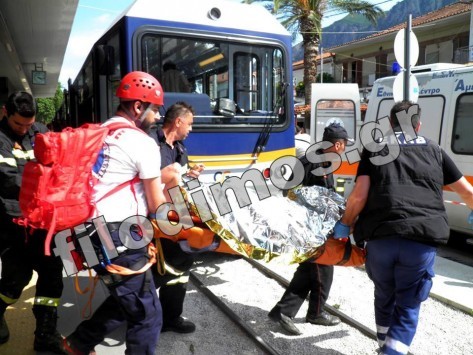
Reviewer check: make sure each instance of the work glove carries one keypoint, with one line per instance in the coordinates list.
(470, 218)
(341, 230)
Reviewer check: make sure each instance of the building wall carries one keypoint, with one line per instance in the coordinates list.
(298, 76)
(435, 46)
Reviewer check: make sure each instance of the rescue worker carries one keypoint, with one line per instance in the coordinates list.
(172, 285)
(302, 142)
(402, 219)
(127, 154)
(311, 278)
(21, 249)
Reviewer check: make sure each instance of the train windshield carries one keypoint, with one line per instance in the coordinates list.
(229, 83)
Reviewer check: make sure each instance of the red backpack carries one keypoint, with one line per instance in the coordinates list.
(56, 189)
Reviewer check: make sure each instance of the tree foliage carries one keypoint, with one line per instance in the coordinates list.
(304, 17)
(47, 107)
(58, 97)
(327, 78)
(46, 110)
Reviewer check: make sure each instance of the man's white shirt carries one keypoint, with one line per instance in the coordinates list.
(126, 153)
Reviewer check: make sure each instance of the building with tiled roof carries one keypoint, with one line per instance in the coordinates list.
(443, 37)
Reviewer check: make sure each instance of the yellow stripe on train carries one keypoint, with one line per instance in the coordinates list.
(240, 159)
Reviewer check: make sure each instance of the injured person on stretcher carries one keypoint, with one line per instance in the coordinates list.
(290, 229)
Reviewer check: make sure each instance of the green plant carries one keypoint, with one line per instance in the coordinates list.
(47, 107)
(327, 78)
(46, 110)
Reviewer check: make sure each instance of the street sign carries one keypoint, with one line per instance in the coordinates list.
(399, 48)
(398, 88)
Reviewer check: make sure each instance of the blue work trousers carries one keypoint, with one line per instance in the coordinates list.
(133, 301)
(402, 272)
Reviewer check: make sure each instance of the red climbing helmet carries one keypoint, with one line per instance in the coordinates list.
(138, 85)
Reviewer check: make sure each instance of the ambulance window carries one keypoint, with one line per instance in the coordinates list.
(335, 111)
(463, 125)
(432, 111)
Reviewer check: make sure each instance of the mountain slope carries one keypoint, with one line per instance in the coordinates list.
(353, 27)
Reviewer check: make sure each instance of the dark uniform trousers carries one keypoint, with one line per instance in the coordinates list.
(309, 277)
(22, 251)
(312, 278)
(132, 301)
(173, 284)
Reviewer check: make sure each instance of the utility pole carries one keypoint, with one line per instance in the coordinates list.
(407, 53)
(321, 64)
(470, 56)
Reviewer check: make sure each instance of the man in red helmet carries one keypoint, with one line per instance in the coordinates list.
(127, 154)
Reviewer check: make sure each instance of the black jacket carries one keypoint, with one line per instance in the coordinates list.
(310, 179)
(406, 196)
(15, 151)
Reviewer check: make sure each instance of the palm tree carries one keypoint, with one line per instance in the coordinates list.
(305, 17)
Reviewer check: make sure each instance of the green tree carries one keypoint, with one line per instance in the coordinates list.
(328, 78)
(58, 97)
(46, 110)
(304, 17)
(47, 107)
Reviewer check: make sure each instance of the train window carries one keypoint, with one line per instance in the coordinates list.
(114, 79)
(88, 87)
(250, 75)
(463, 125)
(246, 81)
(275, 71)
(218, 84)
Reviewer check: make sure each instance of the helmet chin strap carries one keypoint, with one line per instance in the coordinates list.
(142, 118)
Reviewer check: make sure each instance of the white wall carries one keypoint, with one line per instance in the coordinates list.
(369, 67)
(298, 76)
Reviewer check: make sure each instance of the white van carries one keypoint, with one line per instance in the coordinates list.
(446, 102)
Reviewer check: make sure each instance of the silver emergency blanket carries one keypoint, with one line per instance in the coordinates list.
(290, 228)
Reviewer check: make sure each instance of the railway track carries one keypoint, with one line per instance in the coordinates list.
(257, 338)
(237, 297)
(244, 291)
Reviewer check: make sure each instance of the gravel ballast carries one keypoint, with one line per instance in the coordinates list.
(442, 329)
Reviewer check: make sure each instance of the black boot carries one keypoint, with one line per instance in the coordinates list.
(4, 332)
(47, 337)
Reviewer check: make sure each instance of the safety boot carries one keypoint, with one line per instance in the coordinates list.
(71, 349)
(47, 337)
(4, 332)
(178, 325)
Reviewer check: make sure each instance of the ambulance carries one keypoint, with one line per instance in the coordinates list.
(446, 102)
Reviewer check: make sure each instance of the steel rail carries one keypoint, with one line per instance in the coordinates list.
(233, 316)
